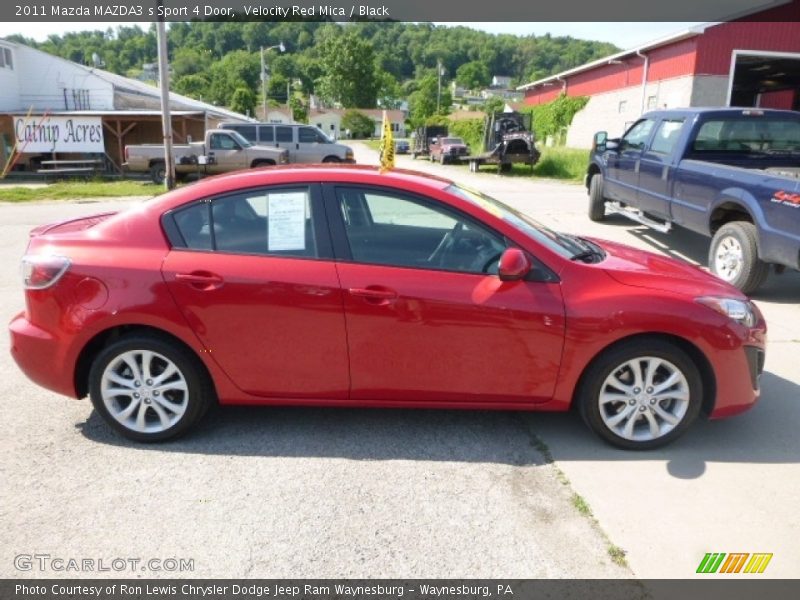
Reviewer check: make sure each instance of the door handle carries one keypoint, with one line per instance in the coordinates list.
(374, 294)
(202, 280)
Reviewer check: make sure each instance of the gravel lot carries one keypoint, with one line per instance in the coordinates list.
(284, 492)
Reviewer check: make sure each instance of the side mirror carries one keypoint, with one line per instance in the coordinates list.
(600, 138)
(614, 144)
(514, 265)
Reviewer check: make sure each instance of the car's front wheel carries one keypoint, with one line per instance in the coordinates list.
(597, 203)
(641, 395)
(149, 388)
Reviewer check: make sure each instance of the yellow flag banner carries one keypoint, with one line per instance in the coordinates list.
(387, 145)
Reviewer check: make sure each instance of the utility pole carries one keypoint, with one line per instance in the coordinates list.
(264, 76)
(263, 84)
(439, 89)
(166, 117)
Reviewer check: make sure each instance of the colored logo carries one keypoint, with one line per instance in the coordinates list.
(737, 562)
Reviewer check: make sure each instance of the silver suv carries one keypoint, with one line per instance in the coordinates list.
(305, 143)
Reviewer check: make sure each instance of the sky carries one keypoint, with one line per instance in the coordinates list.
(624, 35)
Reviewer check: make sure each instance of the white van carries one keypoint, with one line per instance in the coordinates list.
(305, 143)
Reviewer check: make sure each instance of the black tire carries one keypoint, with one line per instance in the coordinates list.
(197, 398)
(615, 360)
(505, 167)
(751, 271)
(597, 203)
(158, 172)
(331, 159)
(265, 162)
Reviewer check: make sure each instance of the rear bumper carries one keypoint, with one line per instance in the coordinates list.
(39, 354)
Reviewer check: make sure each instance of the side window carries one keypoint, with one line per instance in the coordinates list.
(390, 229)
(266, 134)
(220, 141)
(247, 131)
(284, 134)
(267, 222)
(638, 134)
(666, 136)
(307, 135)
(193, 225)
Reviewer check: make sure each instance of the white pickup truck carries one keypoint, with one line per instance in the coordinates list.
(222, 151)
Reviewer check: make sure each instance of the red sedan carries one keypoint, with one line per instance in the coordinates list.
(341, 286)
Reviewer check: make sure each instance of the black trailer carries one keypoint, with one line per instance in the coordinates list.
(508, 138)
(422, 139)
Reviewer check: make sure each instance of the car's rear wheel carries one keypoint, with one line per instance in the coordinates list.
(733, 256)
(641, 395)
(597, 203)
(158, 172)
(149, 388)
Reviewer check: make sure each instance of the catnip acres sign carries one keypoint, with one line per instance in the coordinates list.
(58, 134)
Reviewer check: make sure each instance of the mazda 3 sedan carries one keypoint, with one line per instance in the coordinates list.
(343, 286)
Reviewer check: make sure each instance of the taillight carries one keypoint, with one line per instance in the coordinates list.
(42, 271)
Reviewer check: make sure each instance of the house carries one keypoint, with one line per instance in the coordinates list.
(329, 120)
(53, 106)
(501, 82)
(274, 115)
(753, 61)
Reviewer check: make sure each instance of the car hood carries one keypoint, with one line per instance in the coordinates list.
(639, 268)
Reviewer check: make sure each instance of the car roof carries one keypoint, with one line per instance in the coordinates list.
(713, 111)
(291, 174)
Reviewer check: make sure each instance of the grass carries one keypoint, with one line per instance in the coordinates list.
(76, 190)
(568, 164)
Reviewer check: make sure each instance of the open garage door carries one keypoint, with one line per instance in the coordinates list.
(765, 79)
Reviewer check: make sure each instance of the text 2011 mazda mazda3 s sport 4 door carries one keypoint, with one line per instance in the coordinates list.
(343, 286)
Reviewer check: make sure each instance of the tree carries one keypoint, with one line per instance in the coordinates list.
(236, 69)
(299, 110)
(493, 104)
(191, 85)
(359, 124)
(348, 63)
(422, 103)
(243, 101)
(473, 75)
(389, 92)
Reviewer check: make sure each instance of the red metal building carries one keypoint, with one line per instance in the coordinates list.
(751, 61)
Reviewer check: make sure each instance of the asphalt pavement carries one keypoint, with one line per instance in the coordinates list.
(291, 492)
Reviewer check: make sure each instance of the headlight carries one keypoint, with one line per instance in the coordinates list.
(348, 155)
(741, 311)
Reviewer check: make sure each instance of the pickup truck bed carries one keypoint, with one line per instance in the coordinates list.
(730, 174)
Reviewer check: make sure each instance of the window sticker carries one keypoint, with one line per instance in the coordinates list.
(287, 221)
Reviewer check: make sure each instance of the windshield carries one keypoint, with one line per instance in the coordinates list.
(240, 139)
(452, 141)
(566, 246)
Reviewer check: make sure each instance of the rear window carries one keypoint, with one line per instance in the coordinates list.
(748, 135)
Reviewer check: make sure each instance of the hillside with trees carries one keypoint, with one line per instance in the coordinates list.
(359, 65)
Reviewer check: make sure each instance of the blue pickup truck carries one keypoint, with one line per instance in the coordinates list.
(731, 174)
